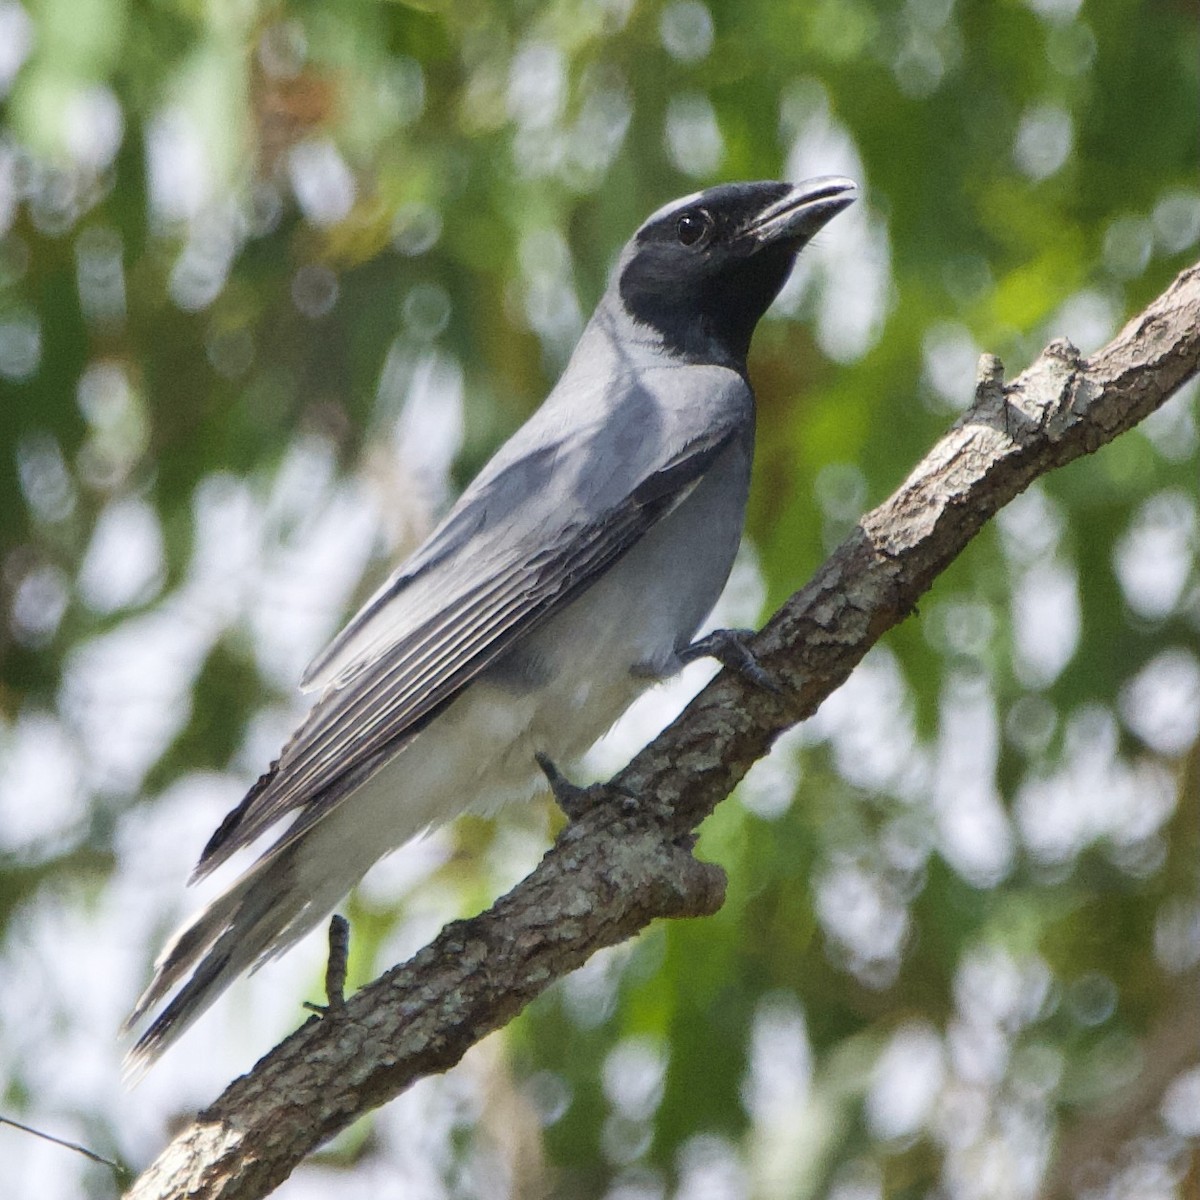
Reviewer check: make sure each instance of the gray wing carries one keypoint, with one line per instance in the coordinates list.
(466, 618)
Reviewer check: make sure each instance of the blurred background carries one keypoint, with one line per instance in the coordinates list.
(277, 278)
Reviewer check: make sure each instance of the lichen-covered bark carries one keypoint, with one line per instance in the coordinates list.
(623, 864)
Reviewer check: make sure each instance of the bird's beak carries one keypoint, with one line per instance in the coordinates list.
(803, 211)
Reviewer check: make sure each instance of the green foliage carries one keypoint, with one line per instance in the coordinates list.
(238, 240)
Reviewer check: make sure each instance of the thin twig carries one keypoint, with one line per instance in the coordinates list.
(122, 1172)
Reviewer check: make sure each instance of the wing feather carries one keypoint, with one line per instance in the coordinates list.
(379, 701)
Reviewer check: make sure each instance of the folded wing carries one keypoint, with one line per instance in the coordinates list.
(428, 633)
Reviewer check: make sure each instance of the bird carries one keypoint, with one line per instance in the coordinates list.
(573, 572)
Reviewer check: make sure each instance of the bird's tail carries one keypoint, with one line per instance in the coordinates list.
(259, 917)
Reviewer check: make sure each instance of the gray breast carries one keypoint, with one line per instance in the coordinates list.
(649, 605)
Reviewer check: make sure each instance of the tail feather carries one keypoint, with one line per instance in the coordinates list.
(314, 862)
(260, 916)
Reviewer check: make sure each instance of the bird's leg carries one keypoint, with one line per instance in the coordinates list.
(335, 968)
(729, 647)
(575, 800)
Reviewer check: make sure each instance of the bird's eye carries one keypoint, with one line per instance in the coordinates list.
(692, 226)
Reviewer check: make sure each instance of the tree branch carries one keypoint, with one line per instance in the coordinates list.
(621, 866)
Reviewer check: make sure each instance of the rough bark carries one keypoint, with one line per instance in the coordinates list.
(625, 863)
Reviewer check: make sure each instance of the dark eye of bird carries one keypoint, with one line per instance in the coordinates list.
(692, 226)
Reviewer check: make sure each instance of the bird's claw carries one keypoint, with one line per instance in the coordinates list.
(730, 648)
(574, 800)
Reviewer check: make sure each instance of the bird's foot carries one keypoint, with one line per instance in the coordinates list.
(574, 800)
(730, 648)
(335, 968)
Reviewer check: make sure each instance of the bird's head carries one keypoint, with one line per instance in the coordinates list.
(702, 270)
